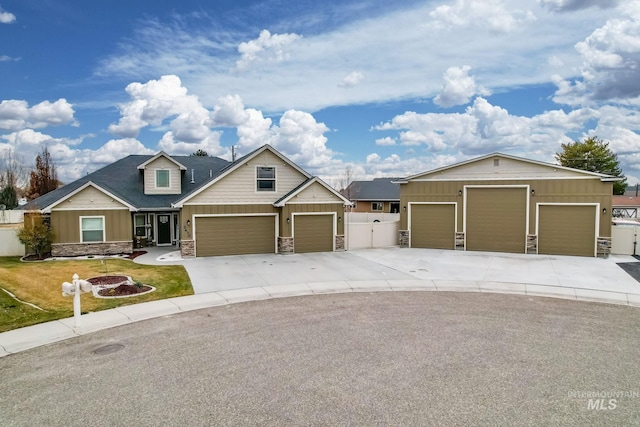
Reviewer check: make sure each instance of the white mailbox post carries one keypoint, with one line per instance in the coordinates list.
(76, 288)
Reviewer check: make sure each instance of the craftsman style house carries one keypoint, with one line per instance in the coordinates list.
(206, 206)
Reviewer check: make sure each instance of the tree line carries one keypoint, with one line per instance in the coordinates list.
(17, 181)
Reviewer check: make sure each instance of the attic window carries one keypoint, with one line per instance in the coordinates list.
(162, 178)
(496, 162)
(265, 178)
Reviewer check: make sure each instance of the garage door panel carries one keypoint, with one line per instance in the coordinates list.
(313, 233)
(567, 230)
(433, 226)
(496, 219)
(235, 235)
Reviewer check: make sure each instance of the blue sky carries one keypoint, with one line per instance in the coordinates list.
(388, 88)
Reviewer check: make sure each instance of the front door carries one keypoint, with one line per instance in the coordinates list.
(164, 229)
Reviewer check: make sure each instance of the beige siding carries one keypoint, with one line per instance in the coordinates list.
(240, 185)
(66, 224)
(315, 193)
(546, 191)
(90, 198)
(175, 176)
(506, 168)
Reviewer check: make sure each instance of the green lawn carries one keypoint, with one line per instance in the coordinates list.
(39, 283)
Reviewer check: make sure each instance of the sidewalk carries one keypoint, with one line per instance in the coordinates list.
(388, 269)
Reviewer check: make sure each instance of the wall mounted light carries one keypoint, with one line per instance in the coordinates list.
(339, 219)
(533, 192)
(404, 208)
(288, 220)
(459, 192)
(188, 223)
(604, 211)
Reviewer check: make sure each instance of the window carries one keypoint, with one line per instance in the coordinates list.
(377, 206)
(141, 229)
(266, 178)
(92, 228)
(162, 178)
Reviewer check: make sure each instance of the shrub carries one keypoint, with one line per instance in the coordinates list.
(36, 234)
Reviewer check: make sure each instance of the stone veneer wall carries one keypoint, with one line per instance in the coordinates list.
(459, 241)
(102, 248)
(604, 247)
(404, 238)
(285, 245)
(532, 244)
(188, 248)
(340, 242)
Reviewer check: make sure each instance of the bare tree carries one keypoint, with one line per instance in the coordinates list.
(45, 177)
(12, 179)
(344, 180)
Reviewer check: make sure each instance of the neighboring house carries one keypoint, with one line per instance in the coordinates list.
(502, 203)
(380, 195)
(260, 203)
(626, 206)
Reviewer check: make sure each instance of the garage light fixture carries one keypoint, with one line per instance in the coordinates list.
(188, 223)
(339, 219)
(288, 220)
(533, 192)
(459, 192)
(604, 211)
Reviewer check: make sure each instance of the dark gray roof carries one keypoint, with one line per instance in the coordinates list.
(379, 189)
(123, 179)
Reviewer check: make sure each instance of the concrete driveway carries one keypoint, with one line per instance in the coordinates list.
(395, 265)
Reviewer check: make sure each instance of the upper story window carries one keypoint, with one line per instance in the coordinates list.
(162, 178)
(265, 178)
(377, 206)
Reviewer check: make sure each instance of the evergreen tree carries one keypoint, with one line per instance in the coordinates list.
(593, 155)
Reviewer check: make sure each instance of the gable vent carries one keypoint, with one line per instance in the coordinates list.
(496, 162)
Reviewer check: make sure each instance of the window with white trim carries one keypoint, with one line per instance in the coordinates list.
(92, 229)
(265, 178)
(140, 225)
(377, 206)
(162, 178)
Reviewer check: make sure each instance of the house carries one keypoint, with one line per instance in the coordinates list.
(502, 203)
(381, 195)
(625, 206)
(260, 203)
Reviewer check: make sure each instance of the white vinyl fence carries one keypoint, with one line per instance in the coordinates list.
(10, 223)
(624, 238)
(366, 230)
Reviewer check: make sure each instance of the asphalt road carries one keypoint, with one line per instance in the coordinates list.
(414, 358)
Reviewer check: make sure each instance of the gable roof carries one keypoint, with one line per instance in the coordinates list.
(166, 156)
(303, 186)
(550, 166)
(47, 209)
(378, 189)
(124, 180)
(235, 165)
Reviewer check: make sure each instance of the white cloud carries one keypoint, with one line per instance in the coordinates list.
(485, 128)
(229, 111)
(492, 14)
(6, 17)
(265, 49)
(458, 87)
(352, 79)
(16, 114)
(386, 141)
(610, 68)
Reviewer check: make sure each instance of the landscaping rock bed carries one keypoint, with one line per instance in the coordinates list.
(117, 287)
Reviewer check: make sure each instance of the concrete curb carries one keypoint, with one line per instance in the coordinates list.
(29, 337)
